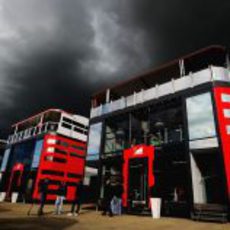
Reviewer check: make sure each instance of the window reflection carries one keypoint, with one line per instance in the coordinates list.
(94, 141)
(5, 160)
(200, 116)
(37, 153)
(116, 134)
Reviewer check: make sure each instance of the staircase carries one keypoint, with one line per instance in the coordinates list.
(210, 212)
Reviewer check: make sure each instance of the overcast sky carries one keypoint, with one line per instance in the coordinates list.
(56, 53)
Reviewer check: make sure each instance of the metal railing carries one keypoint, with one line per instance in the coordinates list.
(175, 85)
(32, 131)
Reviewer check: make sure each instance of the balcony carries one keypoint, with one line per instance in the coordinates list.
(32, 132)
(210, 74)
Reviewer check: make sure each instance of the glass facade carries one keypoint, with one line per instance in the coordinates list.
(200, 116)
(117, 134)
(139, 122)
(94, 143)
(22, 153)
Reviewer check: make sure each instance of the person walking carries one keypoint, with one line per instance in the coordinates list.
(61, 194)
(43, 190)
(77, 200)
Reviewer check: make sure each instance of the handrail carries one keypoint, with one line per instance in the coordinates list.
(31, 132)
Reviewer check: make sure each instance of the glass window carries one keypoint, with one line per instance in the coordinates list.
(166, 123)
(117, 134)
(94, 142)
(52, 116)
(67, 126)
(22, 153)
(139, 127)
(37, 153)
(5, 159)
(200, 116)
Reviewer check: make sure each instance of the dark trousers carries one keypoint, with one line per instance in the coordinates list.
(42, 203)
(107, 207)
(78, 203)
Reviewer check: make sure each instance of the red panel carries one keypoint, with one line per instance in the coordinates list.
(223, 122)
(17, 167)
(73, 165)
(139, 151)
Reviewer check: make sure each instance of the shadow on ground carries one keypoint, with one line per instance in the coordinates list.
(36, 223)
(4, 209)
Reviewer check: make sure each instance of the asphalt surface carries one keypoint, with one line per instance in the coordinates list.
(14, 216)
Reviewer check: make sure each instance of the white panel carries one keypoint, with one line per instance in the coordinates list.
(202, 77)
(89, 171)
(130, 100)
(79, 136)
(225, 97)
(71, 133)
(118, 104)
(226, 113)
(182, 83)
(106, 108)
(149, 94)
(139, 97)
(220, 74)
(93, 112)
(204, 143)
(86, 181)
(63, 131)
(165, 89)
(81, 119)
(77, 118)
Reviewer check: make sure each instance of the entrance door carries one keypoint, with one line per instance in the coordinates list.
(15, 179)
(138, 182)
(137, 177)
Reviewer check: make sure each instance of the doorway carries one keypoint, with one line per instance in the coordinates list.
(15, 181)
(138, 177)
(207, 177)
(138, 182)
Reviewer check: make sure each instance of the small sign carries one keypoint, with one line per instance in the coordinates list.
(139, 151)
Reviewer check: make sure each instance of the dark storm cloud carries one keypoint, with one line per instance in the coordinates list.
(56, 53)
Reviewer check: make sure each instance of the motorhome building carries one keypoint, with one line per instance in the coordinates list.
(168, 130)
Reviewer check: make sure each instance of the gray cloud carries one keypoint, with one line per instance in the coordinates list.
(56, 53)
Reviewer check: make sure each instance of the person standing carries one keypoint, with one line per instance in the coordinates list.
(108, 195)
(116, 203)
(77, 200)
(61, 194)
(43, 190)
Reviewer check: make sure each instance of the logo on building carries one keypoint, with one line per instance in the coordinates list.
(139, 151)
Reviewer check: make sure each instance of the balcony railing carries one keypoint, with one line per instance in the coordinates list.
(32, 132)
(175, 85)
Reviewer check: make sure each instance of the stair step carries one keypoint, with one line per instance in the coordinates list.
(212, 213)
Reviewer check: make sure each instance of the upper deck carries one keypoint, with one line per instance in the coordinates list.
(206, 65)
(52, 120)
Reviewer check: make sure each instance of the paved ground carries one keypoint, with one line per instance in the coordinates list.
(14, 216)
